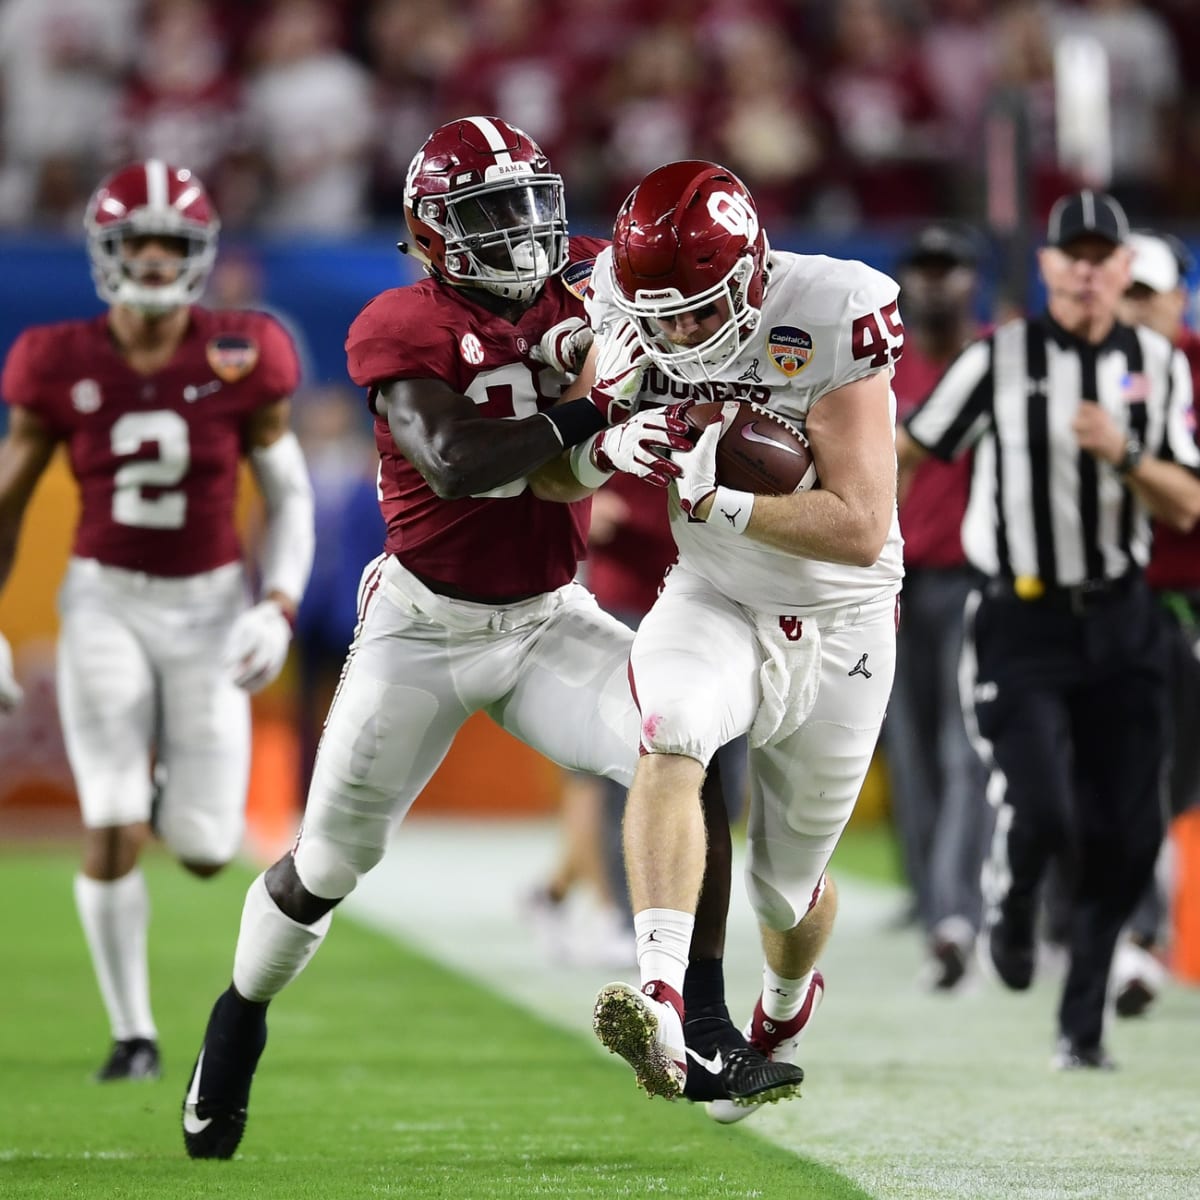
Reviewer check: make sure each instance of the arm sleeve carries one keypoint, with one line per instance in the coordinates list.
(286, 555)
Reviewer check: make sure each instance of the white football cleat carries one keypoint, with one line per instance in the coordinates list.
(646, 1029)
(777, 1040)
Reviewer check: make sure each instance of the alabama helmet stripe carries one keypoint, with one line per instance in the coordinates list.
(156, 183)
(495, 139)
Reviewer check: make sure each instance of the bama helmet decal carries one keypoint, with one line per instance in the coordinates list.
(789, 349)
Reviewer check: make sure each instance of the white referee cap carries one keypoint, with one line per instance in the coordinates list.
(1154, 263)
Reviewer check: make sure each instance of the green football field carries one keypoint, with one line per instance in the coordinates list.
(432, 1050)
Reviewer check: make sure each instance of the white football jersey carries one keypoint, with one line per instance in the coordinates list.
(826, 322)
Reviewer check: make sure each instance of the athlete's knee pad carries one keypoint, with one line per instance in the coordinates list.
(331, 868)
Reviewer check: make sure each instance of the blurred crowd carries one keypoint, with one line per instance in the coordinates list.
(303, 114)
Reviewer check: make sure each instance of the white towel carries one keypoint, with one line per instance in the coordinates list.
(789, 677)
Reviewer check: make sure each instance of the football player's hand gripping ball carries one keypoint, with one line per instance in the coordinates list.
(257, 646)
(643, 445)
(697, 476)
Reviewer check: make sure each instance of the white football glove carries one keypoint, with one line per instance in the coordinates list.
(697, 476)
(257, 646)
(565, 346)
(620, 365)
(643, 445)
(11, 691)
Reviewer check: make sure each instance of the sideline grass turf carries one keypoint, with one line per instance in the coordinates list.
(388, 1076)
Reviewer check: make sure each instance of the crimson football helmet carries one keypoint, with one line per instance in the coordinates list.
(150, 198)
(485, 210)
(688, 237)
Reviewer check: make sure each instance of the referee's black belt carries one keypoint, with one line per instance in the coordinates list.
(1080, 597)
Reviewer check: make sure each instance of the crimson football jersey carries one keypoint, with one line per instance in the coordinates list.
(156, 456)
(488, 547)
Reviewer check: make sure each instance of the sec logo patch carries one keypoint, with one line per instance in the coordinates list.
(471, 349)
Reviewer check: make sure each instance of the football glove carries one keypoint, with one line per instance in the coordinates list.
(643, 446)
(257, 646)
(696, 469)
(620, 365)
(565, 346)
(10, 690)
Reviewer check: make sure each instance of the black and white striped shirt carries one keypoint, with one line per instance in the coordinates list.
(1041, 506)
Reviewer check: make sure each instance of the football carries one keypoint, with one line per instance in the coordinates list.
(759, 451)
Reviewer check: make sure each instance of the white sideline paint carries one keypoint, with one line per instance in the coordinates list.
(912, 1095)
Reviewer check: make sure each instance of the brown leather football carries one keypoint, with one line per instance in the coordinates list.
(759, 451)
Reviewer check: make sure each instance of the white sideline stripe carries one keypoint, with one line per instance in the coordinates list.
(910, 1095)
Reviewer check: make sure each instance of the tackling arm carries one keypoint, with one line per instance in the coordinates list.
(460, 453)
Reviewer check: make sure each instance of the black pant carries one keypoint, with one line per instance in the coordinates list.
(1071, 694)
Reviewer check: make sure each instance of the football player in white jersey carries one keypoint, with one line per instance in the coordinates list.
(779, 620)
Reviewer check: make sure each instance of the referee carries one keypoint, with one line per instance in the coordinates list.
(1078, 426)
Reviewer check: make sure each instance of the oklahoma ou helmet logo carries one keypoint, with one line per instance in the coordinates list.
(734, 212)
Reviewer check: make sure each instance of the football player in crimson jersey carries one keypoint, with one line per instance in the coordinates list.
(473, 605)
(792, 597)
(156, 401)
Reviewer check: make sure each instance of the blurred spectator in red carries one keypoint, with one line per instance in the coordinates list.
(1144, 87)
(60, 62)
(1025, 67)
(182, 103)
(515, 69)
(411, 46)
(959, 57)
(885, 114)
(309, 106)
(653, 102)
(765, 124)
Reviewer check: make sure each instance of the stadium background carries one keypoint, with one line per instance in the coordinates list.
(852, 123)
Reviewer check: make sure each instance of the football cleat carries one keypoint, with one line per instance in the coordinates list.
(133, 1058)
(214, 1107)
(646, 1030)
(722, 1066)
(777, 1041)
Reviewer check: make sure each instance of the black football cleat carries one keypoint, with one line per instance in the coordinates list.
(723, 1066)
(133, 1058)
(214, 1108)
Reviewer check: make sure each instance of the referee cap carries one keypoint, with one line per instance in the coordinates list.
(1154, 263)
(1084, 214)
(940, 242)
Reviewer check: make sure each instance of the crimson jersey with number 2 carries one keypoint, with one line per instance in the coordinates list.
(156, 456)
(506, 544)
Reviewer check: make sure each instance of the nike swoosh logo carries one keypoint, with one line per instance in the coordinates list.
(751, 435)
(191, 1122)
(712, 1065)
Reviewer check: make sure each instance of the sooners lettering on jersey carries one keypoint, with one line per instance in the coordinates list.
(429, 330)
(156, 456)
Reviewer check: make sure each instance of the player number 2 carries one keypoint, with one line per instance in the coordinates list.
(131, 506)
(878, 345)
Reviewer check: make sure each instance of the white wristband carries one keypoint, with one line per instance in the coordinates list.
(582, 466)
(731, 509)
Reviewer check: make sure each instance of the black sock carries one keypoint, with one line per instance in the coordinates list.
(704, 988)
